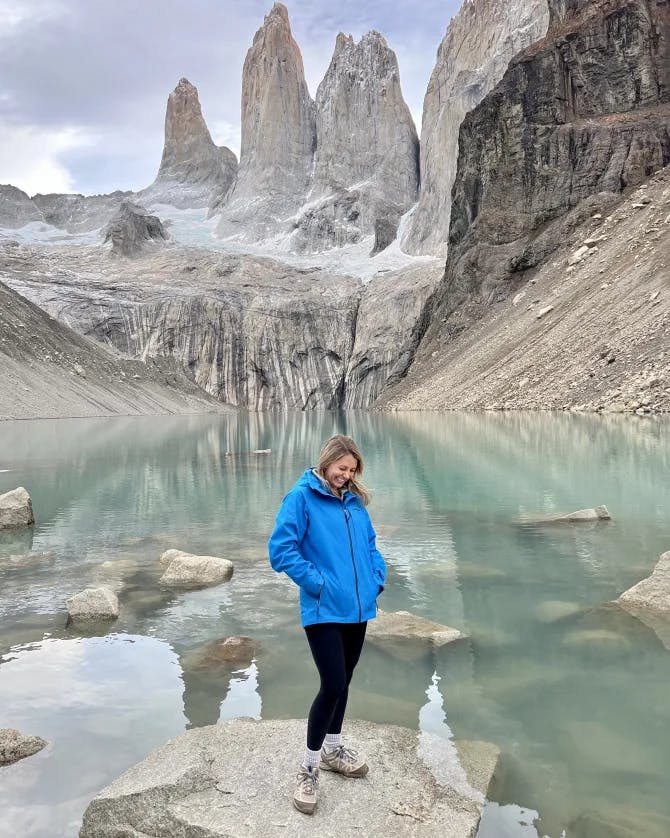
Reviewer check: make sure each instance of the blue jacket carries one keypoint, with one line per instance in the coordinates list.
(326, 545)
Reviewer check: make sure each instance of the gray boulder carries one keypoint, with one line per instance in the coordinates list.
(168, 556)
(649, 600)
(93, 604)
(236, 778)
(598, 513)
(131, 229)
(187, 571)
(405, 635)
(16, 509)
(14, 745)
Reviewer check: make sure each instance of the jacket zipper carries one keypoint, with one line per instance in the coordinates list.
(353, 561)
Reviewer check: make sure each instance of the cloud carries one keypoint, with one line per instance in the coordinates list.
(30, 157)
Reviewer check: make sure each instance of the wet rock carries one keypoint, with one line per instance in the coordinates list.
(239, 651)
(16, 509)
(15, 745)
(407, 635)
(553, 611)
(649, 600)
(167, 557)
(219, 781)
(601, 640)
(93, 604)
(189, 571)
(598, 513)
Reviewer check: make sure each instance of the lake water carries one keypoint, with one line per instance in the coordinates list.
(578, 703)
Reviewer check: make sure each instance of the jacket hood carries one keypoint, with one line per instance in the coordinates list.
(310, 480)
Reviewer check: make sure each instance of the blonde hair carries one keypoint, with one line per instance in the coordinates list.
(334, 448)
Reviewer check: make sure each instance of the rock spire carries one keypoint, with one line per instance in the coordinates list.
(193, 170)
(278, 134)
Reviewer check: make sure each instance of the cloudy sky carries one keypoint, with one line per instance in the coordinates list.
(83, 83)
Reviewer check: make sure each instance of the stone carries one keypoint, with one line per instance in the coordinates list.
(188, 571)
(407, 635)
(194, 172)
(16, 509)
(652, 593)
(541, 313)
(620, 822)
(219, 780)
(366, 159)
(168, 555)
(598, 513)
(129, 231)
(238, 651)
(479, 43)
(93, 604)
(15, 745)
(16, 208)
(599, 640)
(553, 611)
(277, 135)
(578, 255)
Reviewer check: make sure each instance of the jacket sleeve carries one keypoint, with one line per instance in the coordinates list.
(378, 563)
(284, 545)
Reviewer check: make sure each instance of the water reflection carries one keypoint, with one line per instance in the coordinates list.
(546, 683)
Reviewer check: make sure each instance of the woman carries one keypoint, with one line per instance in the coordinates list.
(324, 541)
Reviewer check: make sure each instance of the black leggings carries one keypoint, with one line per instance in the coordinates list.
(336, 648)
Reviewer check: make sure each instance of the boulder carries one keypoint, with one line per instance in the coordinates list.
(14, 745)
(188, 571)
(236, 778)
(93, 604)
(407, 635)
(649, 600)
(221, 653)
(598, 513)
(167, 557)
(16, 509)
(131, 229)
(555, 610)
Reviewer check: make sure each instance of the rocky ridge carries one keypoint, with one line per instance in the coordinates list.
(250, 331)
(367, 152)
(277, 142)
(16, 208)
(472, 58)
(50, 371)
(194, 172)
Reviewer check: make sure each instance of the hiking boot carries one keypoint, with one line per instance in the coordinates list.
(345, 761)
(306, 790)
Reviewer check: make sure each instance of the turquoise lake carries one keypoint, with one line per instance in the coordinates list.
(571, 689)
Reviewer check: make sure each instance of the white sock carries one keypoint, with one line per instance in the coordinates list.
(333, 740)
(312, 759)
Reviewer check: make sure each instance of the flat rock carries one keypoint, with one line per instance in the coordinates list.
(188, 571)
(236, 778)
(598, 513)
(16, 509)
(93, 604)
(15, 745)
(406, 635)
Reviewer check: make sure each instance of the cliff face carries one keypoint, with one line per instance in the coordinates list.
(16, 208)
(250, 331)
(366, 159)
(480, 42)
(194, 172)
(278, 134)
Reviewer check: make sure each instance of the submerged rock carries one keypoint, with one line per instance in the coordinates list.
(406, 635)
(187, 571)
(16, 509)
(93, 604)
(220, 653)
(15, 745)
(598, 513)
(236, 778)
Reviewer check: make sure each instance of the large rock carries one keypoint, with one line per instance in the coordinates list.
(16, 509)
(131, 229)
(93, 604)
(219, 781)
(226, 653)
(649, 600)
(278, 135)
(405, 635)
(479, 44)
(14, 745)
(367, 151)
(194, 172)
(16, 208)
(597, 513)
(188, 571)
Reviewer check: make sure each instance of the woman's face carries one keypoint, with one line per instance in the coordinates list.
(340, 472)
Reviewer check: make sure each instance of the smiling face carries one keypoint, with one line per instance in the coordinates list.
(340, 472)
